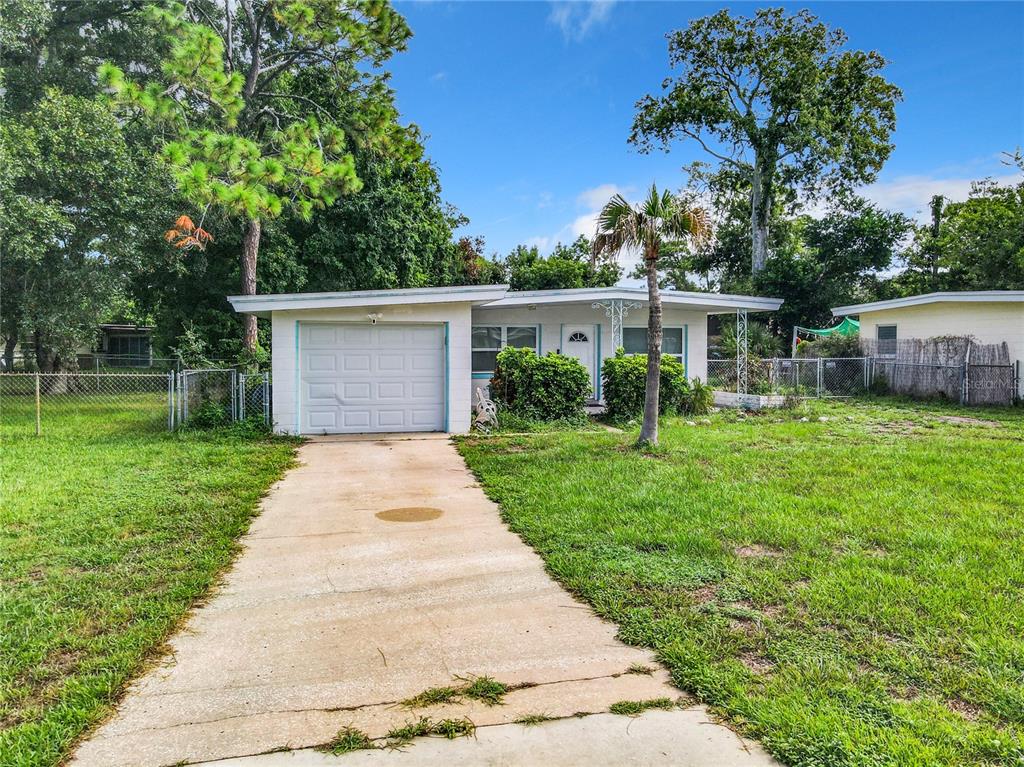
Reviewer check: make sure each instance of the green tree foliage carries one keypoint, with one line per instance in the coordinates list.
(240, 139)
(647, 227)
(568, 266)
(836, 262)
(779, 102)
(396, 232)
(71, 224)
(976, 244)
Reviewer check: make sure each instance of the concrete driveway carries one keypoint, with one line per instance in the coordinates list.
(378, 569)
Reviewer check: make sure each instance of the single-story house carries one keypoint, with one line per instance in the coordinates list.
(989, 316)
(410, 360)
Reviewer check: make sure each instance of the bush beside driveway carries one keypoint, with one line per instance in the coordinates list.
(846, 589)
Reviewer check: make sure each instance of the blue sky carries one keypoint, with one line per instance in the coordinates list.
(527, 106)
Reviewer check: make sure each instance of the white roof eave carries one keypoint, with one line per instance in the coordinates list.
(492, 296)
(711, 302)
(961, 297)
(262, 305)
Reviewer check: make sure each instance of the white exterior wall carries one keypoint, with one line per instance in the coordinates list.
(552, 319)
(988, 322)
(285, 359)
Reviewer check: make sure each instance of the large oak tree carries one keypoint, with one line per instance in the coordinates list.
(779, 103)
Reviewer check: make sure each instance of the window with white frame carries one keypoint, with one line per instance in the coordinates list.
(634, 341)
(886, 337)
(488, 340)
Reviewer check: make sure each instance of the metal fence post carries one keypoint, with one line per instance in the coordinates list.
(266, 398)
(819, 378)
(241, 396)
(38, 417)
(234, 394)
(170, 402)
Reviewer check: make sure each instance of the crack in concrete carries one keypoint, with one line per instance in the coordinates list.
(335, 709)
(278, 750)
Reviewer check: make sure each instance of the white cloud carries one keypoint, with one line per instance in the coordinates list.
(438, 76)
(911, 194)
(577, 19)
(589, 202)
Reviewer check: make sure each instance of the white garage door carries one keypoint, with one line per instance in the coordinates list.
(371, 378)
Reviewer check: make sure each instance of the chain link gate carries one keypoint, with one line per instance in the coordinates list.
(253, 396)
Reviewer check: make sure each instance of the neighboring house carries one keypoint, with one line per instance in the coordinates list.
(410, 360)
(116, 345)
(123, 346)
(988, 316)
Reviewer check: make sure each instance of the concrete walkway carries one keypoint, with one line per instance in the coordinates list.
(378, 569)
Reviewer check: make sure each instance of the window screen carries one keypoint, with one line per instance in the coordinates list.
(488, 340)
(886, 335)
(634, 341)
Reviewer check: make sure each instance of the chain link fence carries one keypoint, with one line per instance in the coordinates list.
(91, 403)
(84, 402)
(967, 383)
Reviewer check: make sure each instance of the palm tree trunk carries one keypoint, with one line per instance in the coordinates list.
(250, 249)
(649, 429)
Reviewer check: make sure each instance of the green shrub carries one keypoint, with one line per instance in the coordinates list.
(625, 380)
(549, 388)
(830, 346)
(699, 399)
(209, 415)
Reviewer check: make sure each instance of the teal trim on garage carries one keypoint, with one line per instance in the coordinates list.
(483, 376)
(298, 384)
(447, 376)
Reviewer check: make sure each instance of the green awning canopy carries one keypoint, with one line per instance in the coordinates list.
(847, 327)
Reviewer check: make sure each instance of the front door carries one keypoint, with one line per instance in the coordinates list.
(579, 343)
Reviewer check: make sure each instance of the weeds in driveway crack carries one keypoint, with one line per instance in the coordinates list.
(529, 720)
(485, 689)
(637, 707)
(425, 727)
(348, 739)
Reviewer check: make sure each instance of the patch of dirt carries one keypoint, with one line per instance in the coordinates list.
(756, 551)
(705, 594)
(757, 663)
(968, 711)
(892, 427)
(906, 694)
(964, 420)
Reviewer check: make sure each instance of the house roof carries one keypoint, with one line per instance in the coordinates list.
(494, 296)
(264, 304)
(962, 297)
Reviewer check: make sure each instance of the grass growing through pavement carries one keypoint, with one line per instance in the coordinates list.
(425, 727)
(848, 591)
(348, 739)
(110, 528)
(637, 707)
(489, 691)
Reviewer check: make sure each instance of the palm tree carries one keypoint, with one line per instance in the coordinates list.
(647, 227)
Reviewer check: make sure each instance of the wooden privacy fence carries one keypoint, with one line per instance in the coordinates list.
(955, 367)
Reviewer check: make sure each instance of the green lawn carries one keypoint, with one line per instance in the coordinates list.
(849, 591)
(110, 528)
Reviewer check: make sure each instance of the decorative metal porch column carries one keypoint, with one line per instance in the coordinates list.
(741, 351)
(617, 310)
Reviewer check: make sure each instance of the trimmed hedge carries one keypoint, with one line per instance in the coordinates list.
(549, 388)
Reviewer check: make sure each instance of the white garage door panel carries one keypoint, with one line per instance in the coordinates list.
(366, 378)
